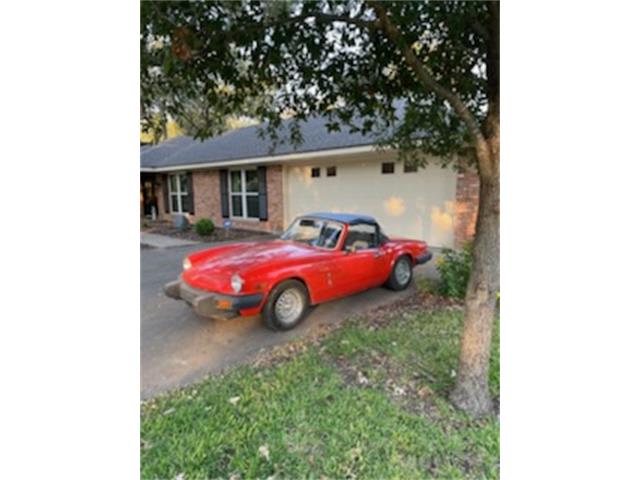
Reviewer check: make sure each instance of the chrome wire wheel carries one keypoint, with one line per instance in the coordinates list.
(289, 306)
(403, 271)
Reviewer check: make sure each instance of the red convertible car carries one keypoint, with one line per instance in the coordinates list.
(321, 257)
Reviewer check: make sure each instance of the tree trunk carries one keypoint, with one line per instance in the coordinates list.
(471, 392)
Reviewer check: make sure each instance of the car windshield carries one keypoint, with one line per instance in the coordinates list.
(314, 232)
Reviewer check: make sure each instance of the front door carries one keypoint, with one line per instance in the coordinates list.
(148, 196)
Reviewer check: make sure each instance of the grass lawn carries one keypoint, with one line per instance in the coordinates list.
(366, 402)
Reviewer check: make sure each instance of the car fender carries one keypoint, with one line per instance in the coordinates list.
(267, 291)
(401, 252)
(298, 274)
(274, 278)
(265, 281)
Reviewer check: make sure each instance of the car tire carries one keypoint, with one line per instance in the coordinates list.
(401, 274)
(287, 305)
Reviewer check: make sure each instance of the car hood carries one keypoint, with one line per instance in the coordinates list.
(212, 269)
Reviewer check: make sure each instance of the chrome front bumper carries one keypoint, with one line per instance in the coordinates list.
(210, 304)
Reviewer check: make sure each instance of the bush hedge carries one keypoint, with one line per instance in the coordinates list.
(204, 227)
(454, 267)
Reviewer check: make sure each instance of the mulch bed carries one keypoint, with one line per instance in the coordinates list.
(219, 234)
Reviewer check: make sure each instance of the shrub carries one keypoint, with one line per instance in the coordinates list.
(204, 227)
(454, 267)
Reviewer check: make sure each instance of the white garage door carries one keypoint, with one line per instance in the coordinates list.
(418, 205)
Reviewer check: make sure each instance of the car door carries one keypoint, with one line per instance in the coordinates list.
(361, 263)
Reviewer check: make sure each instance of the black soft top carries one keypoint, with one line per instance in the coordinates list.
(348, 218)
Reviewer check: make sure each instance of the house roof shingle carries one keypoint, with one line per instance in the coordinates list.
(245, 143)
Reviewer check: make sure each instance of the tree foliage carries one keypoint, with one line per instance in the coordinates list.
(319, 57)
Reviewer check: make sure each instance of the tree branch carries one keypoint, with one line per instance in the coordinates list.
(429, 82)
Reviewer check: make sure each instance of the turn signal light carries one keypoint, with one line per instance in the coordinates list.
(224, 304)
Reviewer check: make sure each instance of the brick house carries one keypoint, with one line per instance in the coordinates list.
(234, 176)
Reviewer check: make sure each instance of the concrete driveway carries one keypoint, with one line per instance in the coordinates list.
(178, 347)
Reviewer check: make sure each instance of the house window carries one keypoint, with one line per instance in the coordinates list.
(315, 172)
(331, 171)
(180, 199)
(243, 194)
(388, 167)
(410, 167)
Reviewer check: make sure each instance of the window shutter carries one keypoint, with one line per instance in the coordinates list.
(191, 203)
(262, 194)
(165, 188)
(224, 193)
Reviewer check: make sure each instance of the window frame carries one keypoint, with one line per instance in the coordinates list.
(178, 193)
(243, 194)
(393, 168)
(335, 171)
(404, 168)
(339, 242)
(317, 170)
(377, 239)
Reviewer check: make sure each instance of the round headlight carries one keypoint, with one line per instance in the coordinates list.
(236, 282)
(186, 264)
